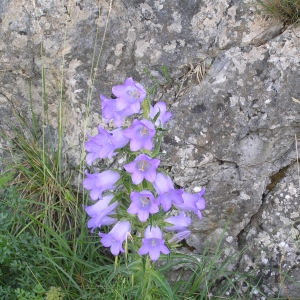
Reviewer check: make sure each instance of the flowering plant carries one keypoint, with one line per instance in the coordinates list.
(136, 199)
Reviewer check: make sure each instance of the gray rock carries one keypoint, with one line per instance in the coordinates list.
(272, 238)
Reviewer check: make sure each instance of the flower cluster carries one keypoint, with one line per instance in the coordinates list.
(136, 198)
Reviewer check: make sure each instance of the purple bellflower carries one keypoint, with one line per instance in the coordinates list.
(110, 111)
(163, 117)
(142, 204)
(99, 212)
(115, 237)
(192, 202)
(129, 94)
(99, 182)
(153, 243)
(104, 144)
(140, 134)
(180, 223)
(200, 203)
(143, 167)
(166, 192)
(179, 236)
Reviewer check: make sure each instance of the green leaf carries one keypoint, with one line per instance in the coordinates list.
(162, 283)
(127, 185)
(157, 147)
(146, 107)
(156, 116)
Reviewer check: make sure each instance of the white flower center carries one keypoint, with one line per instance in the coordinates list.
(145, 201)
(144, 131)
(134, 94)
(142, 164)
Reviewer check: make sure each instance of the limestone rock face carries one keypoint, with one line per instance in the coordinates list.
(272, 237)
(232, 86)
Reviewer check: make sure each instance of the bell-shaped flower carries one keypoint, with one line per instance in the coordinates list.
(179, 236)
(140, 134)
(200, 203)
(153, 243)
(180, 222)
(142, 203)
(100, 182)
(192, 202)
(143, 167)
(166, 192)
(163, 117)
(115, 238)
(99, 213)
(110, 111)
(129, 94)
(104, 144)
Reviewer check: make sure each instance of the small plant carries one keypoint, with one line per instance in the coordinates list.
(137, 197)
(288, 11)
(54, 293)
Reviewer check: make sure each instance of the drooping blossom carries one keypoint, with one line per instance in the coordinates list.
(115, 238)
(164, 115)
(99, 213)
(180, 222)
(129, 94)
(179, 236)
(100, 182)
(153, 243)
(104, 144)
(166, 192)
(142, 203)
(192, 202)
(143, 167)
(110, 111)
(140, 134)
(200, 203)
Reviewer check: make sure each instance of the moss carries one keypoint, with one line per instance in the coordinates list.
(275, 178)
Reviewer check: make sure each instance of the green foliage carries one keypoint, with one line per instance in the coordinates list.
(287, 11)
(36, 294)
(20, 254)
(164, 71)
(41, 176)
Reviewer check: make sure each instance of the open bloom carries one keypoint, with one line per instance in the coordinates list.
(192, 202)
(166, 192)
(140, 134)
(142, 204)
(115, 238)
(143, 167)
(110, 111)
(99, 212)
(180, 222)
(104, 144)
(99, 182)
(129, 94)
(153, 243)
(163, 117)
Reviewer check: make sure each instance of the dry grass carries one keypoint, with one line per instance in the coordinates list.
(288, 11)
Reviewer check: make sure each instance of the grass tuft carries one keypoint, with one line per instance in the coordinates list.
(288, 11)
(40, 177)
